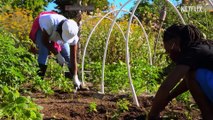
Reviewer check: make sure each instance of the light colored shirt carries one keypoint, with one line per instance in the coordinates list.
(49, 22)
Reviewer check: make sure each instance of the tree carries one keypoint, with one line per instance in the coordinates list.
(148, 13)
(98, 4)
(35, 6)
(5, 2)
(5, 6)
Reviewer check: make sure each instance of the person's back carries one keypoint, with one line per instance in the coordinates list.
(197, 56)
(53, 28)
(49, 22)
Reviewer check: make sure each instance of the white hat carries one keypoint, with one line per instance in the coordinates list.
(69, 31)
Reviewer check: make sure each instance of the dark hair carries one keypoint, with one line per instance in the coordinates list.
(188, 35)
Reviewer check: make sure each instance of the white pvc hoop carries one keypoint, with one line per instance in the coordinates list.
(210, 2)
(127, 47)
(126, 39)
(128, 56)
(177, 11)
(84, 53)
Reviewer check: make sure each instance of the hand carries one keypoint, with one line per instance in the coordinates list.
(76, 81)
(78, 85)
(60, 59)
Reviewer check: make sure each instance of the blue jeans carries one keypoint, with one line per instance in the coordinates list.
(43, 51)
(205, 79)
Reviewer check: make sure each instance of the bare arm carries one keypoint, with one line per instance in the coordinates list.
(45, 38)
(163, 93)
(73, 59)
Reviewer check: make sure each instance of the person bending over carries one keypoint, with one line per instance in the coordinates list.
(193, 56)
(54, 28)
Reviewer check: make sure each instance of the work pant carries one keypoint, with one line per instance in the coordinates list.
(43, 51)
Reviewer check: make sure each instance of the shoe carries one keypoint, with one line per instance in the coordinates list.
(42, 70)
(67, 75)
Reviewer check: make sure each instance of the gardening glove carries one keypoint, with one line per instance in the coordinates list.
(60, 59)
(77, 82)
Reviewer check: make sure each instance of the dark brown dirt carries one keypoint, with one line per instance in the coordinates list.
(70, 106)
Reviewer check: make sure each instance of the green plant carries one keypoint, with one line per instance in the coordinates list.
(15, 106)
(123, 105)
(17, 65)
(42, 85)
(92, 107)
(56, 74)
(116, 80)
(185, 97)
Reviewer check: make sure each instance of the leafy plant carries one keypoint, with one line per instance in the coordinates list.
(56, 74)
(92, 107)
(18, 22)
(123, 105)
(116, 80)
(43, 85)
(17, 65)
(15, 106)
(36, 7)
(185, 97)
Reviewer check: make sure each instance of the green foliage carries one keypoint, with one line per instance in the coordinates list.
(100, 4)
(17, 69)
(18, 21)
(185, 97)
(14, 106)
(56, 73)
(147, 12)
(145, 77)
(203, 20)
(116, 48)
(92, 107)
(116, 80)
(32, 5)
(17, 65)
(123, 105)
(44, 86)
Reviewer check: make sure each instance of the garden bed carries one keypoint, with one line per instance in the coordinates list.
(70, 106)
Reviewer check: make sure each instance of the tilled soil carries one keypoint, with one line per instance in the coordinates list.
(74, 106)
